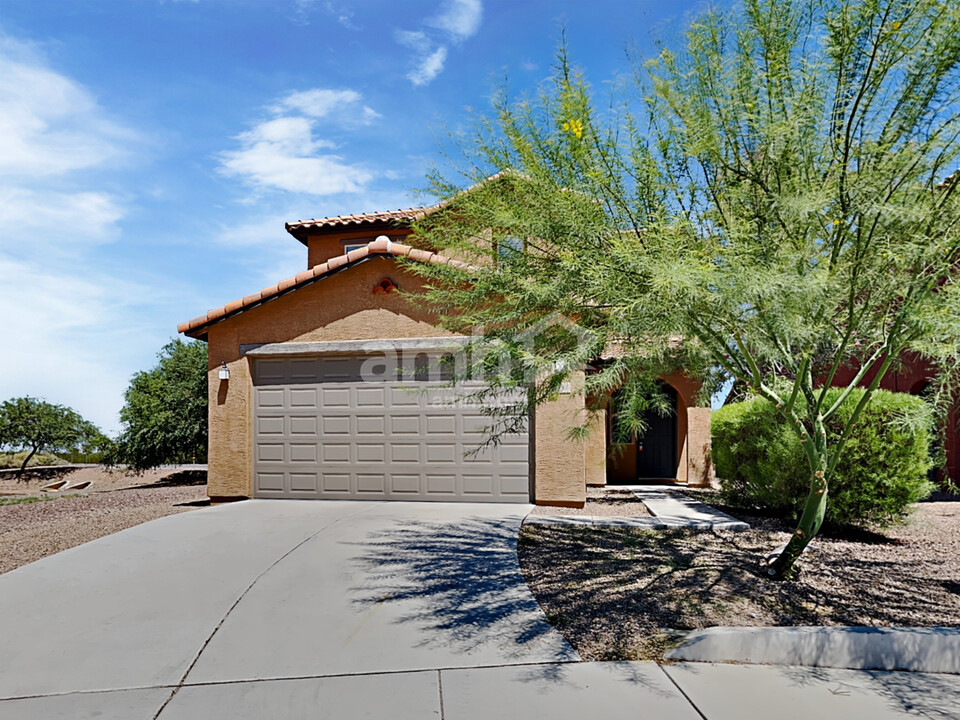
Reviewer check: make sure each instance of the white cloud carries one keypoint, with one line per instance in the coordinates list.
(415, 39)
(266, 249)
(319, 103)
(72, 321)
(428, 59)
(429, 67)
(457, 20)
(284, 153)
(77, 342)
(49, 124)
(84, 218)
(460, 18)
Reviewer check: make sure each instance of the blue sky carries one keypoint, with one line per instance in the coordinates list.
(151, 151)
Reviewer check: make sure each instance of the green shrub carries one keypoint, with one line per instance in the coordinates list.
(11, 460)
(883, 468)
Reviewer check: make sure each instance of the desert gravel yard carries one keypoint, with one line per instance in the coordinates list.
(32, 530)
(624, 594)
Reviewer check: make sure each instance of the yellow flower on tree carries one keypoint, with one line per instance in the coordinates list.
(573, 126)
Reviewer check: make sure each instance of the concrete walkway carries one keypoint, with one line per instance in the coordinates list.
(311, 609)
(671, 510)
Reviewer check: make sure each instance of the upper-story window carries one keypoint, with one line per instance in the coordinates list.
(353, 246)
(509, 246)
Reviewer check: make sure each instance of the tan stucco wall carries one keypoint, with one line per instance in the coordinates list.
(700, 466)
(595, 451)
(338, 307)
(559, 461)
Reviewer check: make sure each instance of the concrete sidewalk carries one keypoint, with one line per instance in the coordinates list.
(567, 691)
(670, 510)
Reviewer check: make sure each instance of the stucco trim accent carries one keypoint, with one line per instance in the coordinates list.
(352, 346)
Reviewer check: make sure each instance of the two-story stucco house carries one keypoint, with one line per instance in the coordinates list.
(295, 412)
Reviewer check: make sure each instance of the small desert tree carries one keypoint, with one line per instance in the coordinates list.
(35, 426)
(165, 414)
(776, 203)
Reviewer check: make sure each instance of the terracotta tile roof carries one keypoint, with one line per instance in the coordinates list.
(377, 247)
(370, 218)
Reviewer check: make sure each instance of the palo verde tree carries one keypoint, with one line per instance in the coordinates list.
(35, 426)
(775, 201)
(165, 414)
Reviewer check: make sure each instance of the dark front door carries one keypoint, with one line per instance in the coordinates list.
(651, 456)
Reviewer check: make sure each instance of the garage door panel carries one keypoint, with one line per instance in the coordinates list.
(333, 453)
(405, 453)
(270, 452)
(513, 453)
(405, 425)
(268, 482)
(302, 370)
(335, 397)
(270, 398)
(304, 398)
(478, 484)
(440, 484)
(371, 425)
(518, 485)
(367, 453)
(371, 483)
(270, 425)
(441, 424)
(405, 397)
(270, 372)
(305, 426)
(303, 453)
(319, 432)
(371, 397)
(441, 453)
(473, 455)
(336, 424)
(405, 484)
(304, 482)
(474, 425)
(336, 482)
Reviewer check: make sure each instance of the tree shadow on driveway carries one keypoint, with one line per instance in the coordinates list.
(461, 583)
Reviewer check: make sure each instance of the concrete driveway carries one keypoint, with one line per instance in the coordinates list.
(312, 609)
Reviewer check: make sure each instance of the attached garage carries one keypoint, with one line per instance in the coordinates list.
(294, 412)
(324, 429)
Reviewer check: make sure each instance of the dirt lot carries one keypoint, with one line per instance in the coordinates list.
(114, 501)
(627, 594)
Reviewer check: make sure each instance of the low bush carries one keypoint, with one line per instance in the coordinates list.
(14, 460)
(882, 470)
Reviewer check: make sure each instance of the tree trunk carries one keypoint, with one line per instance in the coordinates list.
(781, 567)
(23, 465)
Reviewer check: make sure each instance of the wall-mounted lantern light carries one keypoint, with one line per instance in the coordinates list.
(224, 371)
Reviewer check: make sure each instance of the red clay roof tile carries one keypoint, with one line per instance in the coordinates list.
(404, 215)
(377, 247)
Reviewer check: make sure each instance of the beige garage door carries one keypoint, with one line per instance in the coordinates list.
(323, 429)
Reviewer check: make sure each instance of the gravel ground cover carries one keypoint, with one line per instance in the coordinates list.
(32, 530)
(99, 476)
(601, 502)
(626, 594)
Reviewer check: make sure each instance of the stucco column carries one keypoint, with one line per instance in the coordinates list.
(699, 464)
(559, 461)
